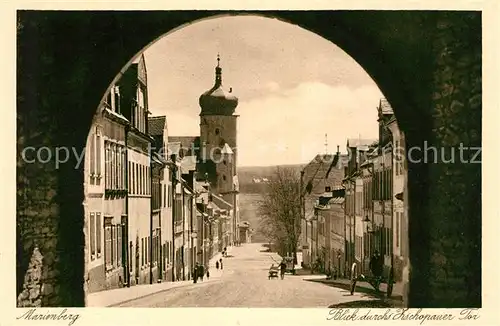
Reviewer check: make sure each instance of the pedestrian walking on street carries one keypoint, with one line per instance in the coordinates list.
(220, 260)
(282, 269)
(201, 272)
(208, 273)
(217, 265)
(376, 264)
(195, 273)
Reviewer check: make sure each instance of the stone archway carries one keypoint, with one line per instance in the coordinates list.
(428, 64)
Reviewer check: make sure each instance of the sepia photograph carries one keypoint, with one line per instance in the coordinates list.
(249, 159)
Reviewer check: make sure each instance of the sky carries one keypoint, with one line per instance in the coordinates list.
(293, 87)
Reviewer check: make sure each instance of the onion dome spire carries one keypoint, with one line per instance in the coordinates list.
(216, 101)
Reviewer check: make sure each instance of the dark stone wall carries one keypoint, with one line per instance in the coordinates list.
(427, 64)
(455, 191)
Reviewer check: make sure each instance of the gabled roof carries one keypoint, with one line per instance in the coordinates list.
(187, 143)
(221, 202)
(327, 168)
(156, 125)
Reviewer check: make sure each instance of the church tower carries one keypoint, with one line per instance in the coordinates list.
(218, 140)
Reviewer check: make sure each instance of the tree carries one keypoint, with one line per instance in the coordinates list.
(280, 209)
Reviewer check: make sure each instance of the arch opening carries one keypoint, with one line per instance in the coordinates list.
(403, 99)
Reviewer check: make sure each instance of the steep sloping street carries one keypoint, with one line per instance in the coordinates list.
(244, 283)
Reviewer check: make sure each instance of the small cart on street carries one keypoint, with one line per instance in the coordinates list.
(273, 272)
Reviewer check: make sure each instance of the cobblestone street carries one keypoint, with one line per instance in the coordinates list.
(244, 283)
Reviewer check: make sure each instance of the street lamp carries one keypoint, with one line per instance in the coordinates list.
(367, 221)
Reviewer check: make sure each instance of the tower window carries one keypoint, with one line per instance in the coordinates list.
(224, 177)
(217, 131)
(224, 162)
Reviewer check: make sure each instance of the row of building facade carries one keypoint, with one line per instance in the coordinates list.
(354, 204)
(155, 205)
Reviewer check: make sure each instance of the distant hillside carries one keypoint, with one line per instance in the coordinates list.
(249, 211)
(252, 178)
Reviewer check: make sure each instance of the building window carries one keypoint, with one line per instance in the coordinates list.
(98, 158)
(113, 245)
(119, 168)
(98, 229)
(110, 166)
(115, 171)
(107, 169)
(132, 170)
(92, 236)
(217, 131)
(124, 164)
(137, 179)
(224, 177)
(92, 158)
